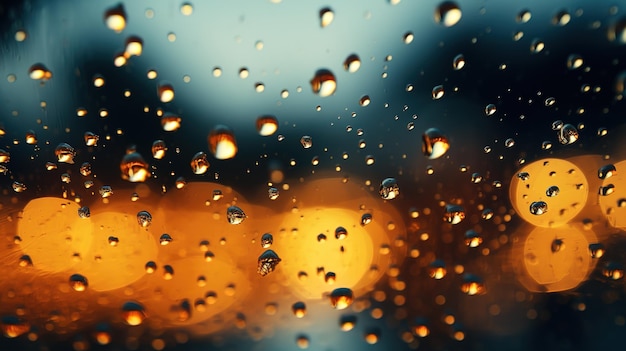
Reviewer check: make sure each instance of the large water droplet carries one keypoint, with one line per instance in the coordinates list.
(222, 142)
(324, 83)
(434, 143)
(448, 14)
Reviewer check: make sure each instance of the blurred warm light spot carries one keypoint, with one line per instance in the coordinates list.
(532, 184)
(51, 233)
(555, 259)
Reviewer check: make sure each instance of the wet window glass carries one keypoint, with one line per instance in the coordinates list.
(283, 174)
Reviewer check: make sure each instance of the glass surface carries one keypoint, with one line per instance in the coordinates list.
(282, 175)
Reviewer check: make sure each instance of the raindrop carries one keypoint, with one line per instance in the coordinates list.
(458, 62)
(306, 141)
(448, 14)
(556, 245)
(364, 101)
(568, 134)
(561, 18)
(606, 190)
(389, 189)
(158, 149)
(341, 298)
(366, 219)
(552, 191)
(472, 285)
(31, 137)
(266, 240)
(606, 171)
(78, 282)
(170, 122)
(18, 187)
(266, 125)
(235, 215)
(352, 63)
(64, 153)
(523, 16)
(134, 168)
(39, 72)
(165, 239)
(437, 269)
(490, 109)
(574, 61)
(133, 313)
(472, 238)
(144, 218)
(324, 83)
(165, 92)
(222, 142)
(434, 143)
(84, 212)
(596, 250)
(199, 163)
(536, 46)
(326, 17)
(538, 208)
(267, 262)
(454, 214)
(408, 37)
(273, 193)
(115, 18)
(437, 92)
(299, 309)
(340, 233)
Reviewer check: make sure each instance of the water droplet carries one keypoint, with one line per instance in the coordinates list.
(115, 18)
(458, 62)
(549, 102)
(244, 73)
(437, 269)
(31, 137)
(330, 278)
(389, 189)
(199, 163)
(267, 262)
(606, 190)
(266, 125)
(365, 100)
(39, 72)
(25, 261)
(273, 193)
(574, 61)
(538, 208)
(352, 63)
(472, 238)
(144, 218)
(165, 92)
(454, 214)
(347, 322)
(133, 313)
(340, 233)
(472, 285)
(134, 46)
(18, 187)
(408, 37)
(448, 14)
(150, 267)
(552, 191)
(266, 240)
(134, 168)
(165, 239)
(13, 326)
(186, 9)
(613, 270)
(607, 171)
(366, 219)
(561, 18)
(91, 139)
(596, 250)
(438, 92)
(78, 282)
(158, 149)
(490, 109)
(523, 16)
(84, 212)
(536, 46)
(170, 122)
(306, 141)
(235, 215)
(299, 309)
(434, 143)
(617, 31)
(326, 17)
(546, 145)
(568, 134)
(476, 178)
(65, 153)
(341, 298)
(556, 245)
(222, 143)
(324, 83)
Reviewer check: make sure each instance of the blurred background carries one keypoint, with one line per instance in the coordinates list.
(429, 175)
